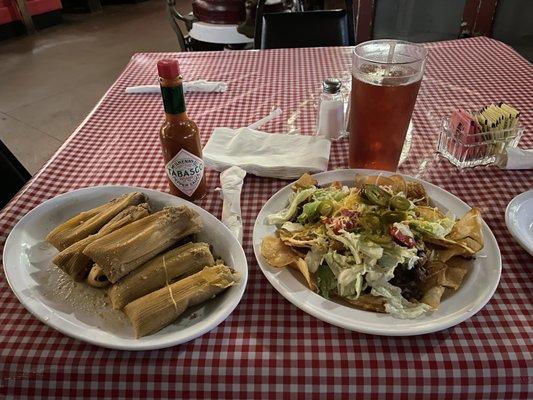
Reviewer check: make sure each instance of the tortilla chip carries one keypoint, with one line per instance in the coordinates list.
(417, 193)
(444, 255)
(304, 269)
(399, 184)
(440, 242)
(432, 270)
(305, 181)
(460, 262)
(433, 296)
(299, 238)
(452, 277)
(276, 253)
(379, 180)
(367, 302)
(336, 185)
(431, 214)
(468, 231)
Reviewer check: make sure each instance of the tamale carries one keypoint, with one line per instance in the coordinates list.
(123, 250)
(89, 222)
(75, 263)
(159, 271)
(152, 312)
(97, 278)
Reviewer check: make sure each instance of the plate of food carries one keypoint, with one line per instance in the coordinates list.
(376, 252)
(125, 267)
(519, 219)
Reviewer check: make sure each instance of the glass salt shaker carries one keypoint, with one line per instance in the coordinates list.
(330, 123)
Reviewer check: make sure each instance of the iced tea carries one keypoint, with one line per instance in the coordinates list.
(385, 84)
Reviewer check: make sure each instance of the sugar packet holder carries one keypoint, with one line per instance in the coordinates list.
(469, 139)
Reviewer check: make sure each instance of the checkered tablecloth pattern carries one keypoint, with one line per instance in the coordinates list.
(267, 347)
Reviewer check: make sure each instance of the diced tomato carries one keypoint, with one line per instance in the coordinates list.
(347, 221)
(400, 238)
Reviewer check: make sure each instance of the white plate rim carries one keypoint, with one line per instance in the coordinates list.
(509, 212)
(383, 329)
(150, 342)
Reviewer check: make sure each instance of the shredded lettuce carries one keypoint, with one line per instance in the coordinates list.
(393, 255)
(349, 275)
(362, 250)
(310, 212)
(337, 262)
(288, 213)
(438, 229)
(331, 194)
(314, 258)
(292, 227)
(325, 281)
(396, 304)
(350, 281)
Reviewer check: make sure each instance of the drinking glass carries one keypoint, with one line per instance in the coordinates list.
(386, 76)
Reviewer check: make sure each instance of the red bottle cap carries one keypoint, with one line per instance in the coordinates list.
(169, 69)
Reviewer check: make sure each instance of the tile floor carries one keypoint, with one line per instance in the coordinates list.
(50, 81)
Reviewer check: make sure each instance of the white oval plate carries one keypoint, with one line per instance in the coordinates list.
(22, 275)
(519, 219)
(476, 290)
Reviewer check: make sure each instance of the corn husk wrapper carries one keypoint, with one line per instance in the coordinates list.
(75, 263)
(160, 271)
(89, 222)
(150, 313)
(123, 250)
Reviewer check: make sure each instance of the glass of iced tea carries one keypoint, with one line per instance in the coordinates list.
(386, 76)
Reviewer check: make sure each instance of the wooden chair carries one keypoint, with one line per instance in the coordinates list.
(305, 28)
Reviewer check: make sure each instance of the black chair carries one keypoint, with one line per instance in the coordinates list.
(13, 174)
(304, 29)
(184, 40)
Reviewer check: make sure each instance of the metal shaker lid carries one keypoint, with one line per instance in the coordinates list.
(331, 85)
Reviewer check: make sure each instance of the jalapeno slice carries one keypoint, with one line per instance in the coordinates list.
(400, 203)
(375, 195)
(390, 217)
(370, 221)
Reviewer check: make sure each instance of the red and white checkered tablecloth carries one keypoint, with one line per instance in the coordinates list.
(268, 347)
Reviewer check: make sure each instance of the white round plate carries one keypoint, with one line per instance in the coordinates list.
(519, 219)
(476, 290)
(26, 278)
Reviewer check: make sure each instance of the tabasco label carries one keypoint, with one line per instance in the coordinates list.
(185, 170)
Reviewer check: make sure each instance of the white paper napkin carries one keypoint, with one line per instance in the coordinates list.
(190, 86)
(515, 158)
(266, 154)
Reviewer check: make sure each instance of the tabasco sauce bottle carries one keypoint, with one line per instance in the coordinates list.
(180, 140)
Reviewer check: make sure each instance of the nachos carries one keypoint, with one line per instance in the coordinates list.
(380, 245)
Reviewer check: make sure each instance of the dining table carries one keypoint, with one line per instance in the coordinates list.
(267, 347)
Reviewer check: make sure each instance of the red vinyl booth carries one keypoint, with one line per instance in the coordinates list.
(9, 12)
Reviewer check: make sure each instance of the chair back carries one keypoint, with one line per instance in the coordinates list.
(174, 16)
(304, 29)
(13, 174)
